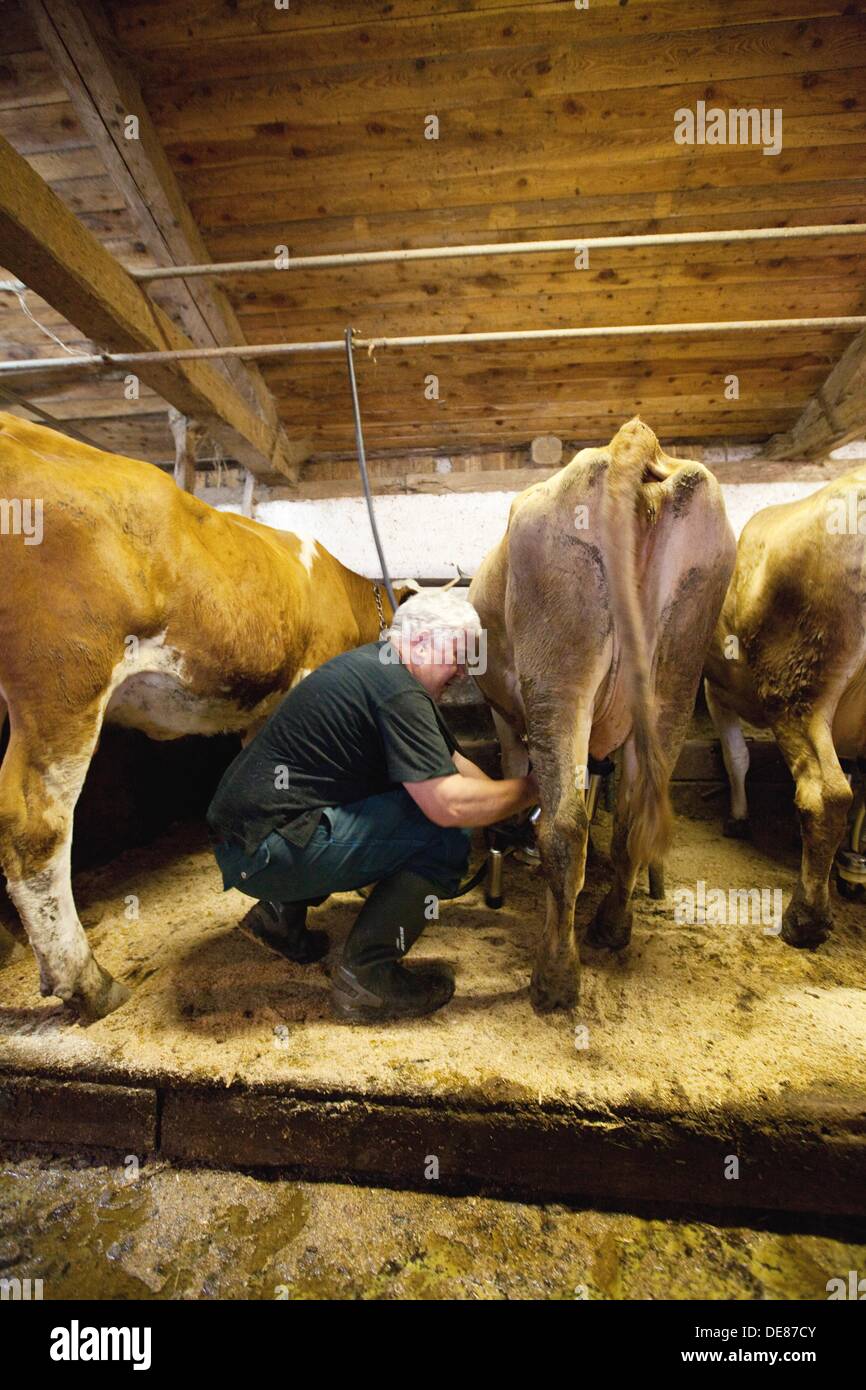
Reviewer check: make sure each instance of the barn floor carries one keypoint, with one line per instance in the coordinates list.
(88, 1227)
(697, 1044)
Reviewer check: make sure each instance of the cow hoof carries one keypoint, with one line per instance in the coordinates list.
(103, 998)
(737, 828)
(550, 992)
(805, 929)
(612, 932)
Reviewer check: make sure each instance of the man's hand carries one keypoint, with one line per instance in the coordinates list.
(471, 801)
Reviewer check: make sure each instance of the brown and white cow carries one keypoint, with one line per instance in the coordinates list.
(599, 604)
(140, 605)
(789, 654)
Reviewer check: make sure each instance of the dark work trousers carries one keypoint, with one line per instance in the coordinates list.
(351, 846)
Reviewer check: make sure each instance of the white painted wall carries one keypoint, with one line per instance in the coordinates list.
(429, 535)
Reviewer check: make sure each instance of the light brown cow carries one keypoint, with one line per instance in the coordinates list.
(599, 604)
(790, 654)
(124, 599)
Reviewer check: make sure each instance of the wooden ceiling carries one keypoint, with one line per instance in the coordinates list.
(305, 127)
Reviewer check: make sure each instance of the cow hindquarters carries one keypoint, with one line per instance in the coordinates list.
(40, 782)
(559, 759)
(822, 797)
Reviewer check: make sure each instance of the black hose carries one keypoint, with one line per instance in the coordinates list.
(362, 464)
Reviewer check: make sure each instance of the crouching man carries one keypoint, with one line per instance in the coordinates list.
(356, 779)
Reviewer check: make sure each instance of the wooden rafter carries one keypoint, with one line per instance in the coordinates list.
(834, 415)
(47, 247)
(105, 93)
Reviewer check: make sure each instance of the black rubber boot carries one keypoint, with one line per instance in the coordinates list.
(281, 928)
(370, 983)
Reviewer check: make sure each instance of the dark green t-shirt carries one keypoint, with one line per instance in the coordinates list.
(353, 728)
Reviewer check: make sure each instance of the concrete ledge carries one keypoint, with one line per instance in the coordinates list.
(808, 1162)
(531, 1152)
(78, 1113)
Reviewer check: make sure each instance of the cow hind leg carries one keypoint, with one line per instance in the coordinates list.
(735, 753)
(559, 764)
(38, 791)
(612, 923)
(822, 797)
(515, 759)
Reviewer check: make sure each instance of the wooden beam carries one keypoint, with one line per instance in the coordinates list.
(248, 502)
(46, 246)
(479, 479)
(187, 437)
(105, 93)
(834, 415)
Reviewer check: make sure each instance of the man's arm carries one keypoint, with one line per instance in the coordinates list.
(469, 801)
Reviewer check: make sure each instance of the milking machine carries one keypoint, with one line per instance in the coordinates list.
(851, 856)
(518, 838)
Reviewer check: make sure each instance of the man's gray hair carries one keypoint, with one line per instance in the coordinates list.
(439, 611)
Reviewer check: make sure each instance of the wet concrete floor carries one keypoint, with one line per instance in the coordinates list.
(92, 1227)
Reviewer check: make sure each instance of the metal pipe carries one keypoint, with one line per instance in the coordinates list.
(493, 895)
(362, 464)
(15, 398)
(269, 264)
(591, 799)
(854, 322)
(851, 323)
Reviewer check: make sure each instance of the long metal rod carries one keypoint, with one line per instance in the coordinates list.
(362, 464)
(15, 398)
(274, 265)
(631, 330)
(850, 323)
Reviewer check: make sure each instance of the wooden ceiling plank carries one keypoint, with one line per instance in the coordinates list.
(285, 46)
(463, 185)
(503, 131)
(249, 173)
(610, 213)
(566, 69)
(28, 79)
(44, 129)
(334, 293)
(349, 31)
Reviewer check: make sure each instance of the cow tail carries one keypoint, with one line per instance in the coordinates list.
(632, 451)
